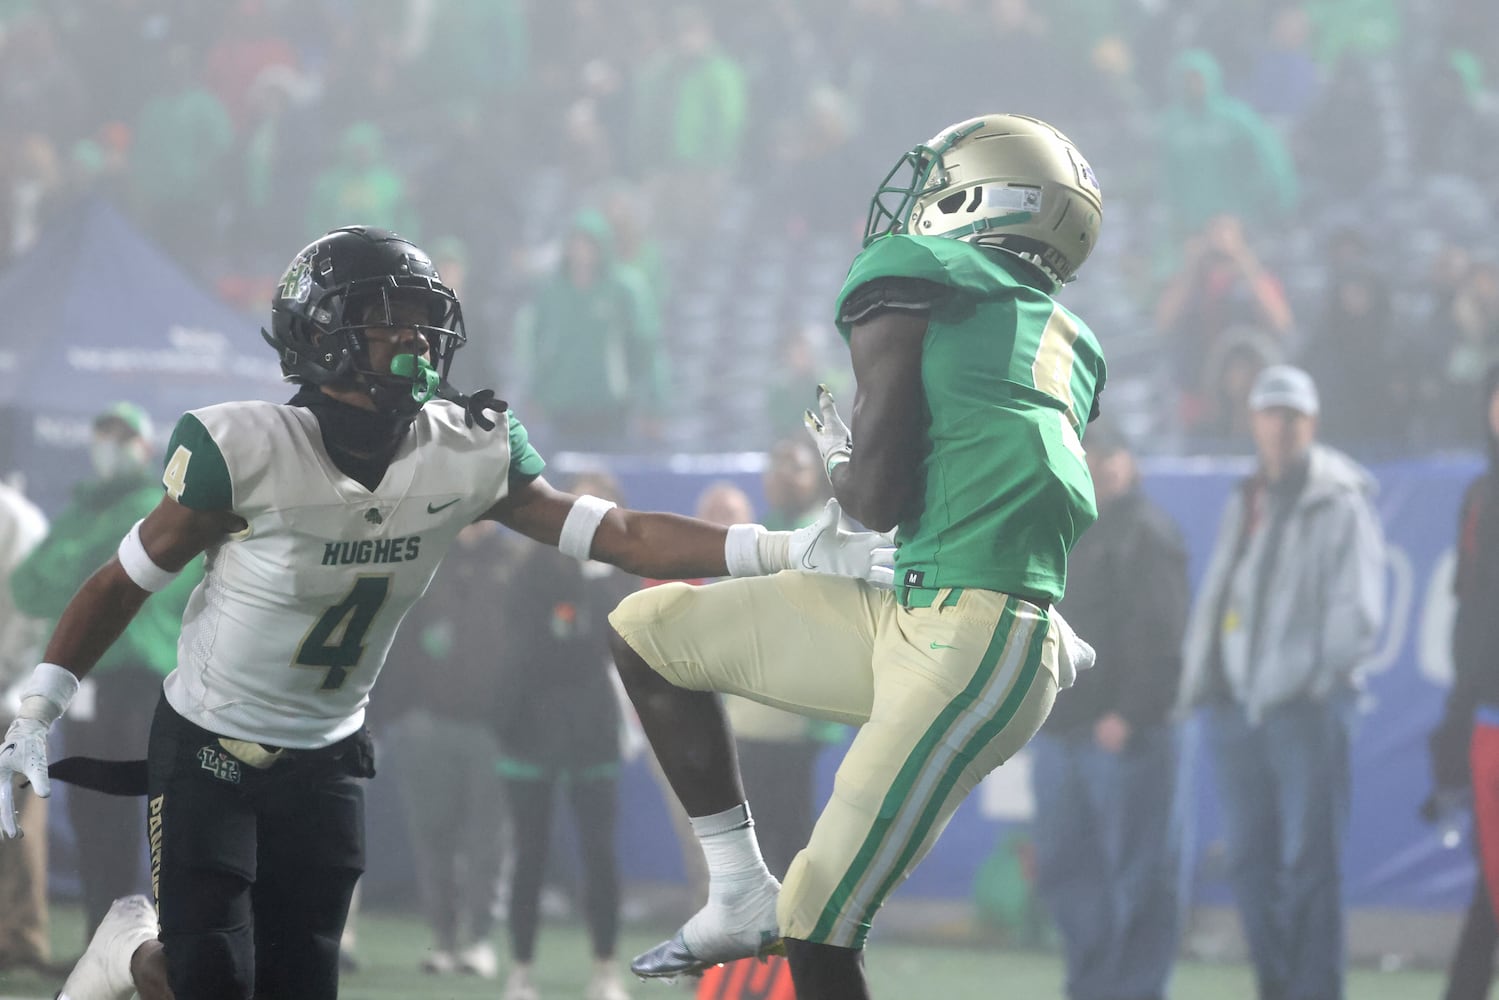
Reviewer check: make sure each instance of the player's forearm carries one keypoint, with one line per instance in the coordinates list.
(663, 546)
(94, 619)
(874, 497)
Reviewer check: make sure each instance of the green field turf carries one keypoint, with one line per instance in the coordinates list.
(392, 944)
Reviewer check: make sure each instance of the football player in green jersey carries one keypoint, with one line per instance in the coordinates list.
(323, 519)
(974, 387)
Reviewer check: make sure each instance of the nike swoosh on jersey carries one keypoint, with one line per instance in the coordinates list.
(942, 645)
(442, 506)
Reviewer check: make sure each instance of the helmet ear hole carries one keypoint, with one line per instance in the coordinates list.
(952, 203)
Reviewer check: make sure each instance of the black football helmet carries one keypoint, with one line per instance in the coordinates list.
(342, 285)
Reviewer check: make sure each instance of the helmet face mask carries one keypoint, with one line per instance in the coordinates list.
(918, 167)
(1004, 181)
(352, 282)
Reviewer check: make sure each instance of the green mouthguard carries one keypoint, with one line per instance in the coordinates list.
(424, 378)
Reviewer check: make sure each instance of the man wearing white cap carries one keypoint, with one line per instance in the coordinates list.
(1286, 615)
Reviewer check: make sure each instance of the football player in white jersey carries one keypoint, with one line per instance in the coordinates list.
(322, 519)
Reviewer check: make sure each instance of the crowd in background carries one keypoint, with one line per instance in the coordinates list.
(660, 193)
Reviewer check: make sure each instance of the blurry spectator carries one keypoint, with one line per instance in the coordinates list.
(1437, 417)
(365, 63)
(361, 187)
(1453, 117)
(179, 159)
(1220, 287)
(1339, 142)
(282, 144)
(247, 45)
(1463, 754)
(814, 155)
(1117, 115)
(1223, 422)
(1290, 606)
(1285, 77)
(588, 151)
(24, 938)
(32, 186)
(444, 690)
(109, 830)
(40, 86)
(1104, 764)
(1021, 81)
(1350, 355)
(800, 367)
(1218, 156)
(587, 347)
(1357, 28)
(477, 49)
(1475, 314)
(778, 750)
(559, 726)
(637, 253)
(689, 119)
(878, 34)
(1474, 26)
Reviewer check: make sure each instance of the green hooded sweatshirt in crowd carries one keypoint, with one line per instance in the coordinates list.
(361, 184)
(84, 537)
(594, 349)
(1220, 156)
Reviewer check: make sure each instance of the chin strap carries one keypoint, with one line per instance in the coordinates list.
(474, 405)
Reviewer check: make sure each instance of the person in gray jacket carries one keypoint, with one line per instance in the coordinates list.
(1287, 613)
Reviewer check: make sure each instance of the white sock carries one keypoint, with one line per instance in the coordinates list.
(732, 852)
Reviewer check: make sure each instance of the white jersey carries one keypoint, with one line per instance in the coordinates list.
(285, 636)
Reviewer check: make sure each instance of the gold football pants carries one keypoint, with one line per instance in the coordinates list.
(942, 695)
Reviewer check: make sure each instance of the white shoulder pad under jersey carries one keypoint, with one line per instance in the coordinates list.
(285, 636)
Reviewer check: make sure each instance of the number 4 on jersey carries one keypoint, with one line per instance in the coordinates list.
(336, 640)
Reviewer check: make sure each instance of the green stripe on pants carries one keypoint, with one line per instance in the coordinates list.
(900, 802)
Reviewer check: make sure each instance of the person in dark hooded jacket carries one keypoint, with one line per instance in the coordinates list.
(1465, 744)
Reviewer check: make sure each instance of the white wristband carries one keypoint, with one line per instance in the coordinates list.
(751, 550)
(741, 550)
(138, 565)
(582, 521)
(46, 695)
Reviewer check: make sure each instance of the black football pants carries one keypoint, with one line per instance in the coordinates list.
(252, 869)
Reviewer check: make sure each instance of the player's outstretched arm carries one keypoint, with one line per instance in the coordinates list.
(880, 479)
(169, 538)
(659, 545)
(673, 547)
(149, 557)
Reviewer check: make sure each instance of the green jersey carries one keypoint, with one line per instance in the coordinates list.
(1010, 380)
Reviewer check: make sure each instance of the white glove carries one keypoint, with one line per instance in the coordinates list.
(1073, 653)
(834, 441)
(24, 753)
(44, 698)
(828, 546)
